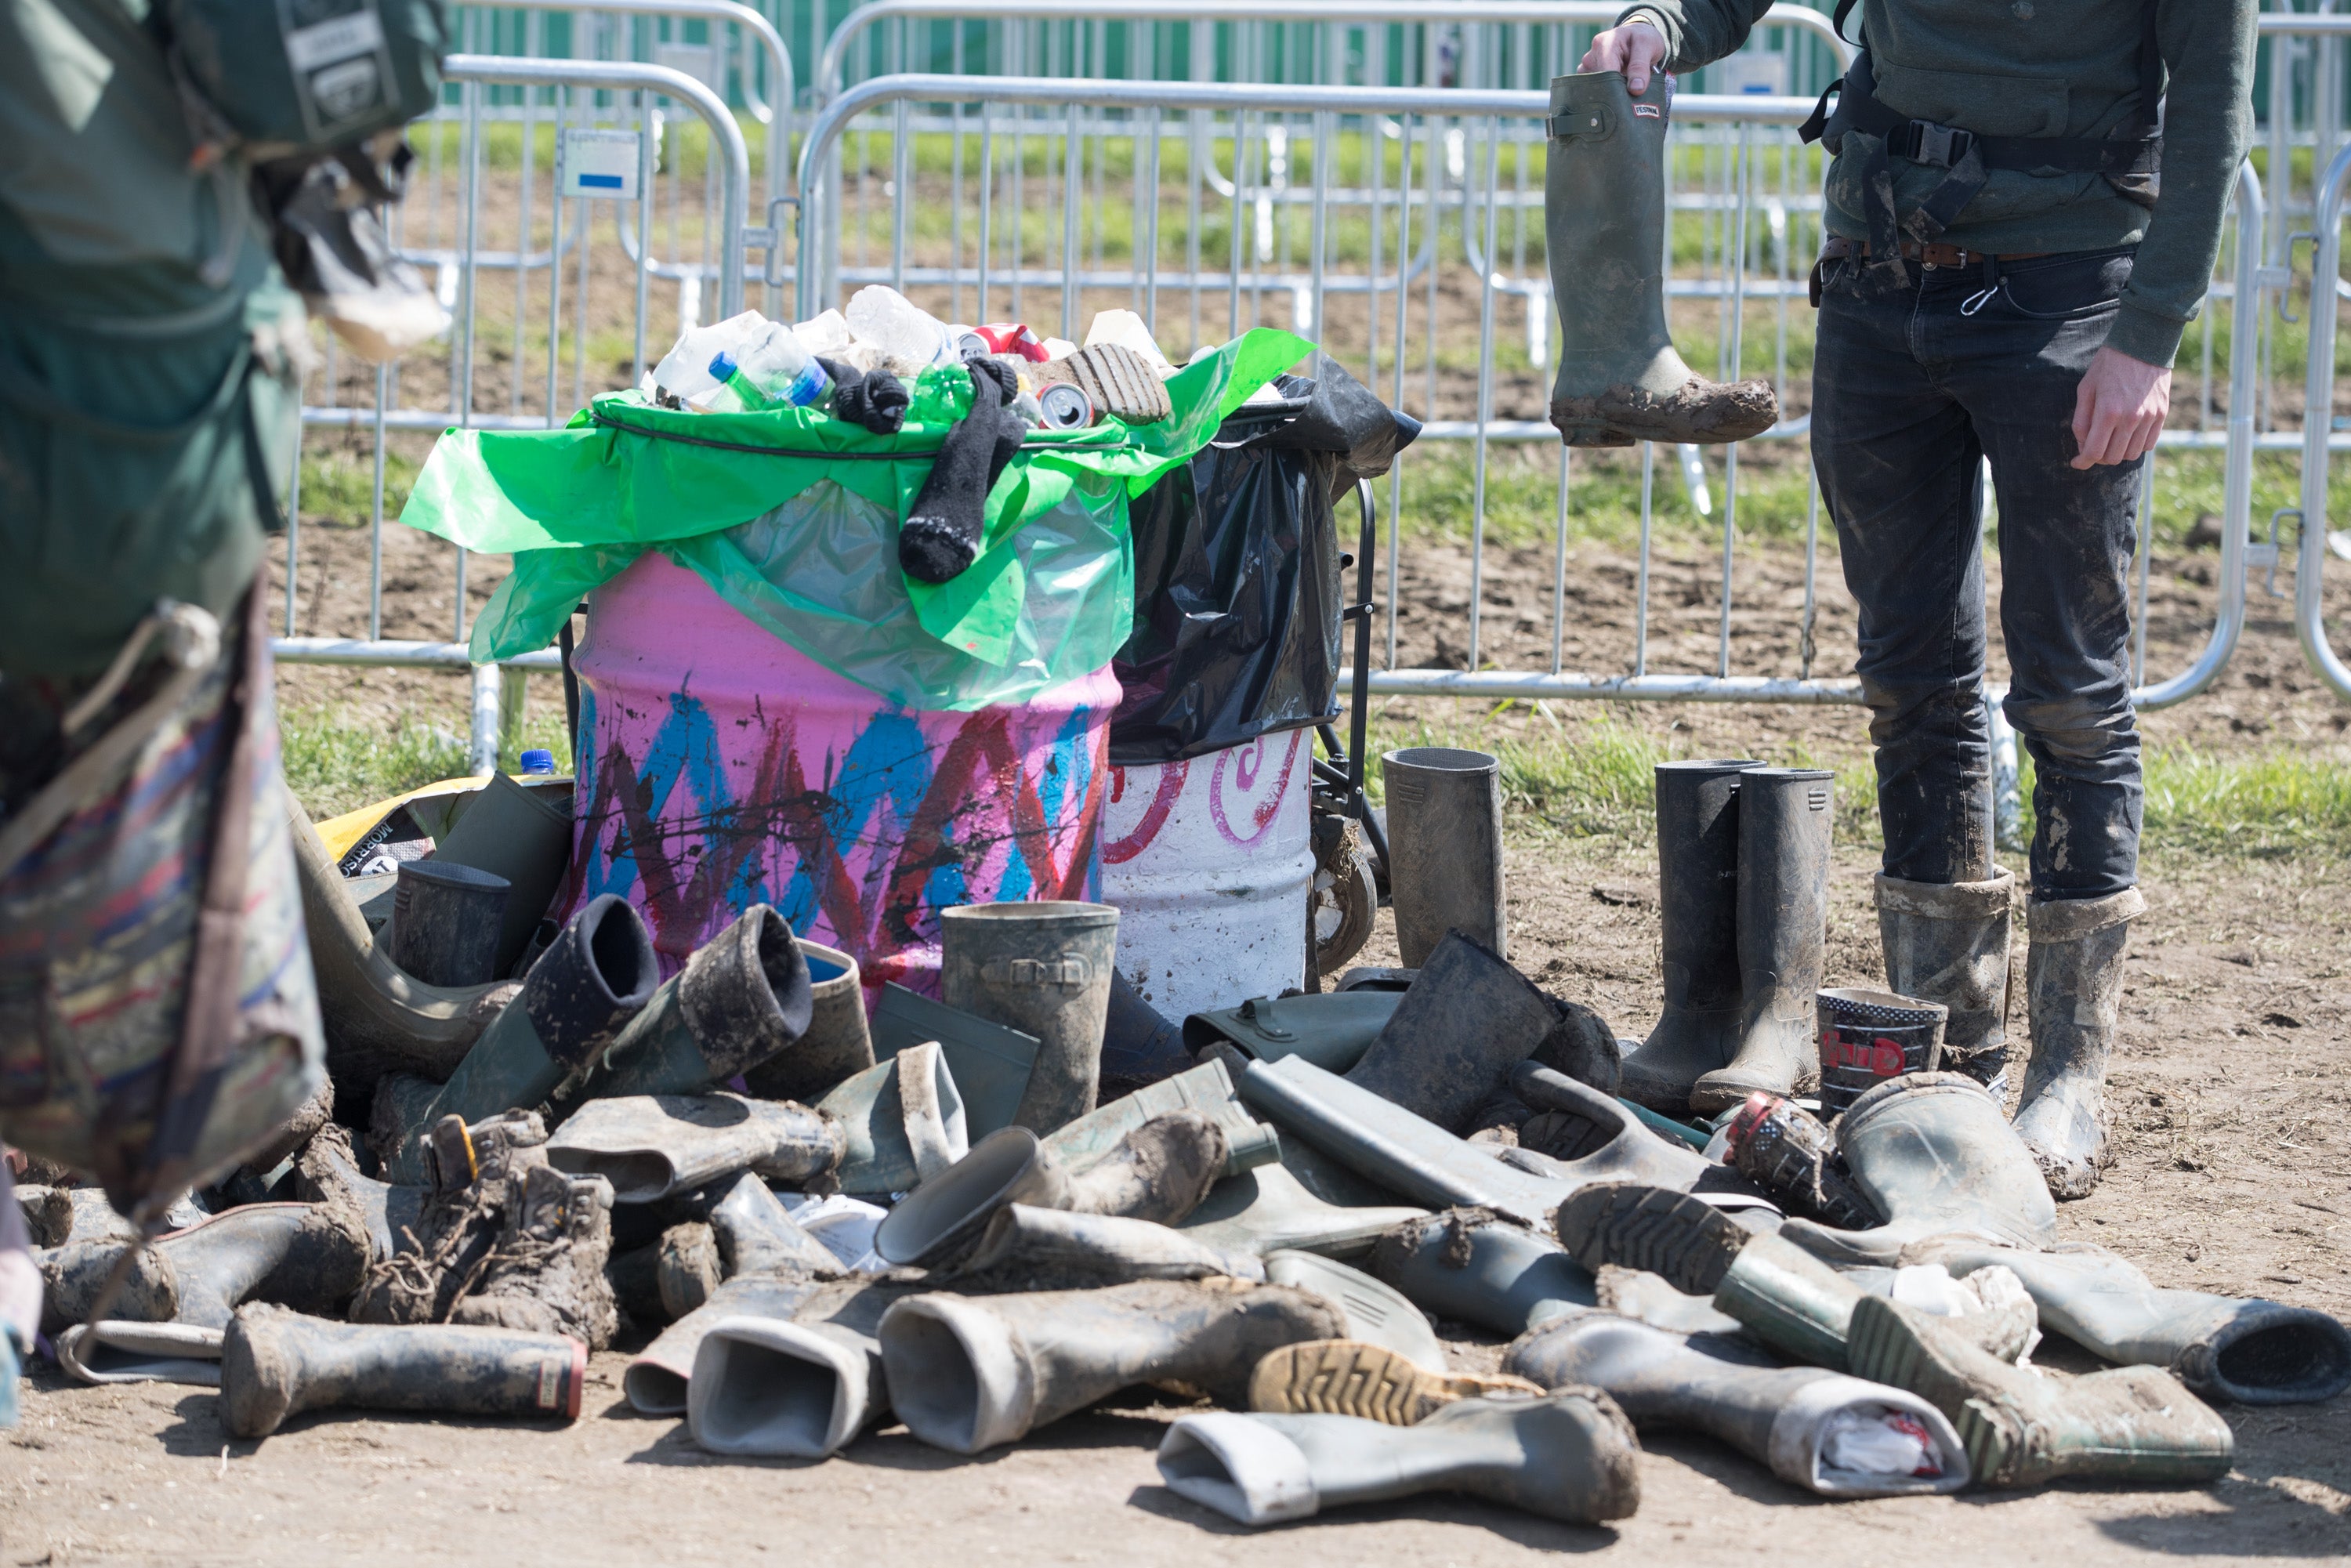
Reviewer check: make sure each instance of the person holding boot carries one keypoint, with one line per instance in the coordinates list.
(2002, 282)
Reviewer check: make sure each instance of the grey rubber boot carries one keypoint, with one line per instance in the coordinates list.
(838, 1043)
(904, 1121)
(1140, 1045)
(1207, 1089)
(1269, 1208)
(1332, 1031)
(757, 1235)
(1377, 1312)
(801, 1388)
(547, 1274)
(657, 1380)
(327, 1170)
(1367, 1379)
(2022, 1428)
(1697, 903)
(1029, 1249)
(597, 974)
(518, 833)
(378, 1019)
(115, 1351)
(1933, 1153)
(1784, 817)
(1476, 1267)
(687, 1270)
(1467, 1021)
(308, 1256)
(947, 1212)
(651, 1145)
(74, 1276)
(2073, 986)
(1951, 945)
(1444, 848)
(2248, 1350)
(277, 1364)
(968, 1374)
(1160, 1171)
(1796, 1420)
(1605, 218)
(991, 1063)
(1590, 1136)
(742, 997)
(1043, 968)
(1568, 1456)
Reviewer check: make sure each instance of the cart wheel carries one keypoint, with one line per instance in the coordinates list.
(1343, 907)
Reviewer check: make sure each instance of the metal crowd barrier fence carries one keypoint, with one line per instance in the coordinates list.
(2309, 607)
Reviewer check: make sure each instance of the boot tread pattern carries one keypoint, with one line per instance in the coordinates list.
(1686, 1239)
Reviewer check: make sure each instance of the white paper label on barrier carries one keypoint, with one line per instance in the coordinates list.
(597, 163)
(1761, 72)
(699, 61)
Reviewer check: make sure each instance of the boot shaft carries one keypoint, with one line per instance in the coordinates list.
(1605, 214)
(742, 997)
(1444, 848)
(277, 1364)
(1951, 945)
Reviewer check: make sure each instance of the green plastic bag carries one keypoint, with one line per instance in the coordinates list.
(790, 515)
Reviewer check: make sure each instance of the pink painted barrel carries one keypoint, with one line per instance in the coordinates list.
(721, 767)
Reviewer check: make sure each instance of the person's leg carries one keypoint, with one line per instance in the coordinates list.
(2066, 536)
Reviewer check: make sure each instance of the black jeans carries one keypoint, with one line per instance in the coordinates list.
(1914, 383)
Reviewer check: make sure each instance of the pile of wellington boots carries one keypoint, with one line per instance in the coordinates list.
(797, 1232)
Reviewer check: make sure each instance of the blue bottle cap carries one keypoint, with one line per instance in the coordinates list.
(722, 366)
(537, 760)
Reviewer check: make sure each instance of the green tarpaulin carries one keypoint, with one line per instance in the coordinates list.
(791, 517)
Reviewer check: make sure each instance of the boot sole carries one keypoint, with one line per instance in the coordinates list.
(1351, 1377)
(1881, 1348)
(1687, 1241)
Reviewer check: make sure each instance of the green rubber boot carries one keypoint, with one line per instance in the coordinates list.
(1604, 213)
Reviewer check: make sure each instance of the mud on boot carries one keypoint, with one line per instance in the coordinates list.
(476, 1174)
(1351, 1377)
(277, 1364)
(1697, 901)
(546, 1274)
(1784, 817)
(2073, 986)
(1949, 943)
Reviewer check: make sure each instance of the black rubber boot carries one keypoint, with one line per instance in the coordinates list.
(277, 1364)
(1473, 1265)
(2074, 984)
(1784, 817)
(744, 997)
(1444, 848)
(1698, 901)
(1605, 218)
(1468, 1020)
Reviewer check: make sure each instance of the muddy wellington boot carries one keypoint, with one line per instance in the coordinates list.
(1785, 815)
(1029, 1249)
(277, 1364)
(1468, 1020)
(1588, 1136)
(1697, 900)
(658, 1380)
(1932, 1152)
(1949, 944)
(1568, 1456)
(1207, 1089)
(1605, 218)
(902, 1119)
(1373, 1382)
(2022, 1429)
(1476, 1267)
(838, 1043)
(2073, 986)
(651, 1145)
(1269, 1208)
(968, 1374)
(598, 974)
(799, 1387)
(1377, 1312)
(308, 1256)
(744, 997)
(1824, 1431)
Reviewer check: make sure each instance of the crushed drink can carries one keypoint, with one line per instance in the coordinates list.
(1868, 1037)
(1066, 405)
(1012, 337)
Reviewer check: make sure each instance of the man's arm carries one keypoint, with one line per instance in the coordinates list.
(1693, 33)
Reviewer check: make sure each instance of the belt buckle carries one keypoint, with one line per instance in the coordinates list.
(1940, 145)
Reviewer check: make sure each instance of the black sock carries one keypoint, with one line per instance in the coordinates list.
(878, 402)
(942, 534)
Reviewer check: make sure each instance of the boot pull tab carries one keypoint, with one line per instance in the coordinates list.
(1265, 1024)
(1071, 969)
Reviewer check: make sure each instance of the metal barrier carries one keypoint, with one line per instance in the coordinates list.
(2309, 607)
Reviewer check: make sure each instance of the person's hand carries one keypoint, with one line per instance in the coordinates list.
(1636, 49)
(2119, 410)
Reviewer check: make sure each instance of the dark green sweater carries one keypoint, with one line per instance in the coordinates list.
(2045, 68)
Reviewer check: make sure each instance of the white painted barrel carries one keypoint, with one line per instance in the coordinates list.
(1208, 860)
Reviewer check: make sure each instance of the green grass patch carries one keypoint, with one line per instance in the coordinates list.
(2263, 805)
(335, 762)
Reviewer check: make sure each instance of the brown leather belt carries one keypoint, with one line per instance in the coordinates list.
(1932, 256)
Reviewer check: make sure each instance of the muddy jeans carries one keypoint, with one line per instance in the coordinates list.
(1914, 383)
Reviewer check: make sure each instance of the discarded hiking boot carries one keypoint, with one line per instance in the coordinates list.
(1353, 1377)
(2021, 1428)
(1042, 968)
(277, 1364)
(1594, 1137)
(1268, 1208)
(1467, 1021)
(797, 1388)
(2223, 1347)
(1932, 1152)
(686, 1269)
(903, 1120)
(114, 1350)
(1476, 1267)
(1116, 379)
(1604, 213)
(968, 1374)
(598, 974)
(656, 1380)
(378, 1019)
(1949, 943)
(838, 1044)
(522, 835)
(546, 1273)
(1824, 1431)
(1783, 1149)
(1207, 1089)
(1029, 1249)
(477, 1173)
(1377, 1312)
(1444, 848)
(1698, 899)
(2073, 986)
(1568, 1456)
(1332, 1031)
(651, 1145)
(1784, 817)
(742, 997)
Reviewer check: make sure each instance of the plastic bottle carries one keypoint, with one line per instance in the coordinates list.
(537, 760)
(769, 370)
(685, 372)
(900, 328)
